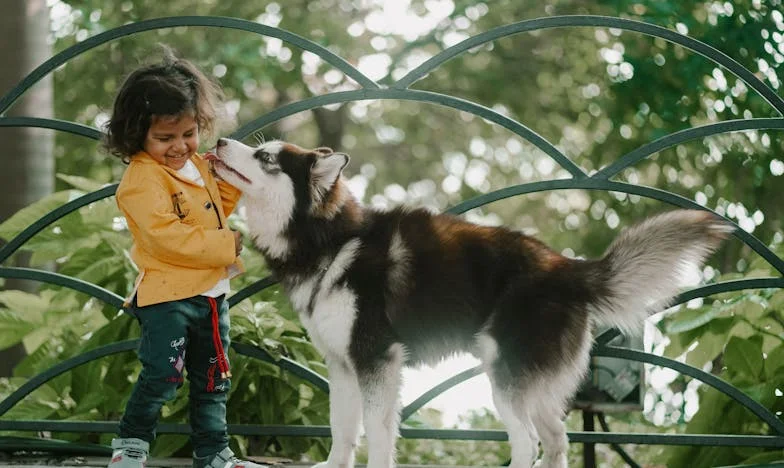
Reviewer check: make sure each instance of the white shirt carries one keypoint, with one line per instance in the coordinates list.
(190, 172)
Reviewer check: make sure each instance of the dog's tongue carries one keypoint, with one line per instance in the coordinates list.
(210, 156)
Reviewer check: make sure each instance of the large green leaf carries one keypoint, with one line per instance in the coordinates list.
(32, 213)
(709, 346)
(766, 457)
(82, 183)
(774, 363)
(32, 307)
(689, 319)
(743, 357)
(14, 327)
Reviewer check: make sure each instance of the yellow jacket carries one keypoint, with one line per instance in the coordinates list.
(181, 242)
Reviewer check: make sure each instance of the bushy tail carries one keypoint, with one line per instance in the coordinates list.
(642, 269)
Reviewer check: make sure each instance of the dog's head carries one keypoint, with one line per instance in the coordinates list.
(284, 177)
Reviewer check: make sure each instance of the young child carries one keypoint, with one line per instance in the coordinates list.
(176, 212)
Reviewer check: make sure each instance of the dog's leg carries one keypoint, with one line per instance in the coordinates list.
(380, 386)
(515, 415)
(552, 430)
(509, 400)
(345, 414)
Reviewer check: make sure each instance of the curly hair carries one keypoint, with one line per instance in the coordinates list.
(171, 87)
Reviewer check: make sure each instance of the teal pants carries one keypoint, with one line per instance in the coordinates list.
(178, 336)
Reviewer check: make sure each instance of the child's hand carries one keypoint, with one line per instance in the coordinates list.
(237, 242)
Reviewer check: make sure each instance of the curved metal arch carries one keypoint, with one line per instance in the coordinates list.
(176, 21)
(601, 339)
(59, 368)
(54, 124)
(612, 186)
(719, 384)
(728, 286)
(284, 363)
(438, 389)
(415, 95)
(690, 43)
(129, 345)
(622, 353)
(62, 280)
(676, 138)
(8, 249)
(250, 290)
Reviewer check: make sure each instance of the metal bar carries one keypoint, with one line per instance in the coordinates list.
(414, 406)
(69, 282)
(414, 95)
(616, 448)
(589, 449)
(40, 379)
(752, 405)
(695, 45)
(11, 444)
(685, 135)
(727, 286)
(247, 350)
(176, 21)
(251, 289)
(8, 249)
(704, 291)
(606, 185)
(284, 363)
(725, 440)
(54, 124)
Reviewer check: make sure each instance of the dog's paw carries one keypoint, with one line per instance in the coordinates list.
(559, 461)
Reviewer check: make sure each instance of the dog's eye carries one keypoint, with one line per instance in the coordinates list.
(263, 156)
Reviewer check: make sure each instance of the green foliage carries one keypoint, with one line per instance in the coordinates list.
(740, 338)
(56, 324)
(595, 93)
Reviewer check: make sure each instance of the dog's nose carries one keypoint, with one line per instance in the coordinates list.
(222, 142)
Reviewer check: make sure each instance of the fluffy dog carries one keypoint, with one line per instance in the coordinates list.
(377, 290)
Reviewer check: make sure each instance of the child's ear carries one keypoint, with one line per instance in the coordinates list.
(327, 169)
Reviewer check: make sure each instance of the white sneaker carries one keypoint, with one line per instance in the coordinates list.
(129, 453)
(224, 459)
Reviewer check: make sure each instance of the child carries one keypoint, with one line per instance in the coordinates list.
(176, 212)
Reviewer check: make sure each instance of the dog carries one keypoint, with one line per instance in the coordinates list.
(377, 290)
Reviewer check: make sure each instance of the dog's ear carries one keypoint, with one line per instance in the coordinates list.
(327, 168)
(323, 150)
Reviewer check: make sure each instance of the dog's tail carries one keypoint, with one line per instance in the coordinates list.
(641, 271)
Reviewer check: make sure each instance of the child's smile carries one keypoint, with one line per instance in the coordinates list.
(172, 140)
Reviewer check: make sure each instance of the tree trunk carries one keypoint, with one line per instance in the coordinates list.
(27, 174)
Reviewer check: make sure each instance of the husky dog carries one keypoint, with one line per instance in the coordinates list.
(378, 290)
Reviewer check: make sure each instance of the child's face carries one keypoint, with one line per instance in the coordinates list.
(172, 140)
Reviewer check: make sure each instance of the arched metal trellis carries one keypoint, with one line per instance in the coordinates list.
(401, 90)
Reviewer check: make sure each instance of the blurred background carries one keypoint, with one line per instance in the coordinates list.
(595, 93)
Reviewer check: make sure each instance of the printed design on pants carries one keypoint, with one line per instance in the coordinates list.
(178, 360)
(211, 371)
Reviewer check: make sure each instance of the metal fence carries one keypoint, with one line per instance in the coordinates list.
(602, 180)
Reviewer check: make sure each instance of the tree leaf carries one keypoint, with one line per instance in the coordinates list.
(774, 363)
(31, 307)
(708, 347)
(30, 214)
(744, 357)
(765, 457)
(13, 328)
(82, 183)
(689, 319)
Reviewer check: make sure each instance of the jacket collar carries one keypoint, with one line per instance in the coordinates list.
(142, 157)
